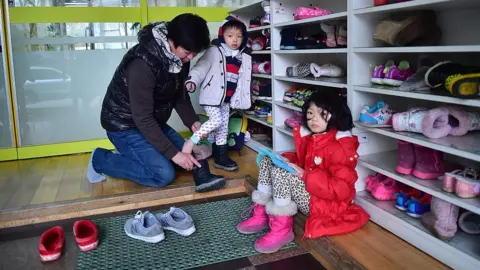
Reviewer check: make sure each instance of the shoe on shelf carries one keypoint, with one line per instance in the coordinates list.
(342, 35)
(377, 115)
(294, 121)
(86, 235)
(266, 13)
(429, 163)
(262, 111)
(51, 244)
(311, 42)
(255, 22)
(177, 220)
(467, 184)
(265, 92)
(378, 73)
(145, 227)
(302, 13)
(458, 80)
(330, 31)
(385, 190)
(269, 118)
(406, 158)
(419, 206)
(255, 87)
(373, 180)
(259, 43)
(288, 39)
(266, 34)
(327, 70)
(299, 70)
(402, 32)
(442, 219)
(469, 223)
(395, 76)
(302, 97)
(402, 198)
(288, 95)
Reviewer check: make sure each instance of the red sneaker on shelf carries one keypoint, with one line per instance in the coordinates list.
(86, 235)
(51, 244)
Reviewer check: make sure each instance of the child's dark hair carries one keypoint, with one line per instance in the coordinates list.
(335, 104)
(235, 25)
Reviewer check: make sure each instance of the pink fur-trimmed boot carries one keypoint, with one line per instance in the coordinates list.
(442, 219)
(406, 158)
(435, 123)
(281, 228)
(429, 163)
(259, 221)
(462, 121)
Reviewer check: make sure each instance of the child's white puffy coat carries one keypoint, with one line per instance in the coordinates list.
(208, 75)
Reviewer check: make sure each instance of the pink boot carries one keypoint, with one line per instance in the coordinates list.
(442, 219)
(429, 163)
(406, 158)
(259, 221)
(281, 228)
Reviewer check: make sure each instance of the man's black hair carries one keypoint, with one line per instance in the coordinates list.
(335, 104)
(235, 25)
(189, 31)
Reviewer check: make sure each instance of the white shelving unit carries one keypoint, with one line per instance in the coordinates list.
(459, 22)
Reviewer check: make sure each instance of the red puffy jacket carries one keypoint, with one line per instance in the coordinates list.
(329, 161)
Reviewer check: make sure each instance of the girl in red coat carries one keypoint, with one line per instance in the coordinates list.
(323, 187)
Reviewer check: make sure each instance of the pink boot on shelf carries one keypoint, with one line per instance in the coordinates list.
(259, 221)
(429, 163)
(406, 158)
(386, 190)
(281, 228)
(442, 219)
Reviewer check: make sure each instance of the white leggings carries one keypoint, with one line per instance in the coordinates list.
(217, 121)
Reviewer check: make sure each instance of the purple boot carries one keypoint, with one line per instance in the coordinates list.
(406, 158)
(429, 163)
(442, 220)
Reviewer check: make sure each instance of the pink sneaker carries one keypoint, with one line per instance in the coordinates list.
(449, 180)
(385, 191)
(467, 184)
(294, 121)
(373, 181)
(308, 12)
(281, 228)
(395, 76)
(429, 163)
(406, 158)
(259, 221)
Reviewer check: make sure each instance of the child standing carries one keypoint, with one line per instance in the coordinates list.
(224, 73)
(323, 186)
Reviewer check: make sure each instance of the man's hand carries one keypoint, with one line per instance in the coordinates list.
(186, 161)
(196, 126)
(300, 172)
(190, 86)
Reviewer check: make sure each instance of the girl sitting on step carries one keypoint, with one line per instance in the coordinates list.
(323, 187)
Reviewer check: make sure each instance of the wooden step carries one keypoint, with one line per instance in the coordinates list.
(33, 214)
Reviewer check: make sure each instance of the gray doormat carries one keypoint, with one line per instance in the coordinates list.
(216, 240)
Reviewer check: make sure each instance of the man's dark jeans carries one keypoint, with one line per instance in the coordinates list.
(137, 159)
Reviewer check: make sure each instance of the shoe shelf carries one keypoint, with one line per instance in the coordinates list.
(261, 52)
(254, 6)
(313, 51)
(265, 101)
(322, 81)
(393, 91)
(264, 76)
(253, 144)
(262, 121)
(315, 20)
(285, 130)
(290, 106)
(461, 252)
(420, 49)
(365, 7)
(466, 146)
(255, 29)
(385, 163)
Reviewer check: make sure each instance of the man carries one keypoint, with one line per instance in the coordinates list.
(146, 87)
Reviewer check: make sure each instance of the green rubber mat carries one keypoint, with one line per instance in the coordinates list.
(216, 240)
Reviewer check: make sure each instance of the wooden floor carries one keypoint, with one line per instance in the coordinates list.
(57, 179)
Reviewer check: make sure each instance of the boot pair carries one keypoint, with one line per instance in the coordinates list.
(422, 162)
(266, 214)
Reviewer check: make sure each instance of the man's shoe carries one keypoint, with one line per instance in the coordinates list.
(222, 161)
(204, 180)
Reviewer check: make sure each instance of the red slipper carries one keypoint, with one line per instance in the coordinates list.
(86, 235)
(51, 244)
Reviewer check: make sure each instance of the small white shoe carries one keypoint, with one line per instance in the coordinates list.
(327, 70)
